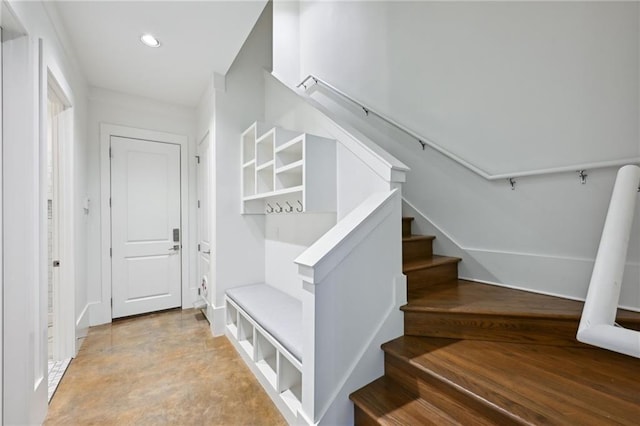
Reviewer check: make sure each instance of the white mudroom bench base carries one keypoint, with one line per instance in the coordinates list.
(265, 326)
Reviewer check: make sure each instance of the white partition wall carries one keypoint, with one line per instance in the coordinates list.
(25, 323)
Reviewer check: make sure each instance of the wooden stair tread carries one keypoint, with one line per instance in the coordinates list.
(419, 238)
(535, 384)
(389, 403)
(431, 262)
(476, 298)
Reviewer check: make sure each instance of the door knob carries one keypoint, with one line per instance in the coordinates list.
(175, 247)
(207, 252)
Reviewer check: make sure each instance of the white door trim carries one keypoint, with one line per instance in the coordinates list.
(100, 312)
(1, 235)
(65, 306)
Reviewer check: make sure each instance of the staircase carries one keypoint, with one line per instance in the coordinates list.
(476, 354)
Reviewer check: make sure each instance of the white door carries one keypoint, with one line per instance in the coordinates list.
(146, 226)
(204, 242)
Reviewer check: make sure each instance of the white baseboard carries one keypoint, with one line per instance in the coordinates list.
(82, 327)
(218, 325)
(99, 313)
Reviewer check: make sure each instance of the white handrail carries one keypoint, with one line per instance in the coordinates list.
(597, 325)
(424, 142)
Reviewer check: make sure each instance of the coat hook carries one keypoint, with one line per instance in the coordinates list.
(269, 208)
(299, 209)
(512, 182)
(279, 209)
(583, 176)
(290, 209)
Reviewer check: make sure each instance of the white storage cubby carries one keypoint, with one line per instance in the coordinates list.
(249, 138)
(266, 359)
(232, 320)
(289, 383)
(264, 178)
(280, 372)
(248, 180)
(245, 335)
(295, 170)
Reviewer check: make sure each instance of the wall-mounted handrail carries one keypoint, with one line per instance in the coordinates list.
(424, 142)
(597, 324)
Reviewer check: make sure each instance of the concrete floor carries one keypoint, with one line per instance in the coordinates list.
(160, 369)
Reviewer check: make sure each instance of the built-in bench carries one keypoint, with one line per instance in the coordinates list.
(265, 325)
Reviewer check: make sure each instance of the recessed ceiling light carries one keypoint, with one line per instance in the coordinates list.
(150, 40)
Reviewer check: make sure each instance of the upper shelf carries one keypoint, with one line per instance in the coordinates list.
(287, 166)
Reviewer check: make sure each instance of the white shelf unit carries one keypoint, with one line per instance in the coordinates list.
(249, 138)
(275, 367)
(295, 171)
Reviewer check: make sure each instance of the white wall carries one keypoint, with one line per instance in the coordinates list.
(30, 365)
(510, 86)
(287, 236)
(355, 179)
(41, 22)
(237, 240)
(116, 108)
(507, 87)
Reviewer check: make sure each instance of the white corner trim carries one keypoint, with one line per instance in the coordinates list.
(219, 82)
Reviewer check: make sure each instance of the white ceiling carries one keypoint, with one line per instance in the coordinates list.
(198, 38)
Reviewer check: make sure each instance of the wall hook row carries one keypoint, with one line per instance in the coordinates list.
(281, 209)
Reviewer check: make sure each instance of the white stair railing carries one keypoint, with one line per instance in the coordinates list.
(597, 325)
(427, 142)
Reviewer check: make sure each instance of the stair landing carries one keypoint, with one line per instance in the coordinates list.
(475, 354)
(506, 383)
(469, 310)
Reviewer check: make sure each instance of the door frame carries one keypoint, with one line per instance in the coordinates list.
(200, 219)
(101, 311)
(64, 308)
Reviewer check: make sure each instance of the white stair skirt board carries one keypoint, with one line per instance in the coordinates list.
(597, 325)
(56, 371)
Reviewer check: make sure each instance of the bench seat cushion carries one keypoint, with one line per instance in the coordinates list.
(275, 311)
